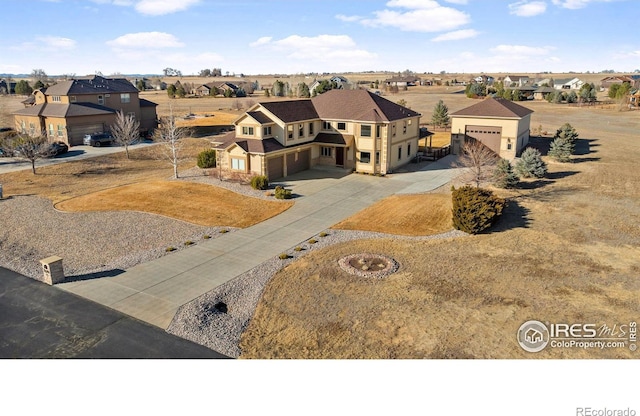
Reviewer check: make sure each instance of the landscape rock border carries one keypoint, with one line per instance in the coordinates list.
(391, 265)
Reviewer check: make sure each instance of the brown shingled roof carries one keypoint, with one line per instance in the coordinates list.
(291, 111)
(93, 85)
(494, 107)
(359, 105)
(260, 117)
(330, 138)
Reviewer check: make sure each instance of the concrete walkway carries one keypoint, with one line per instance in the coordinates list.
(153, 291)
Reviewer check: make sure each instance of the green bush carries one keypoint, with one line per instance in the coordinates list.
(298, 248)
(260, 182)
(313, 241)
(531, 164)
(281, 193)
(207, 159)
(189, 243)
(503, 175)
(170, 249)
(561, 150)
(206, 236)
(475, 209)
(323, 234)
(283, 256)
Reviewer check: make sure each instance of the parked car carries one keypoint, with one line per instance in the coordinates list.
(58, 148)
(97, 139)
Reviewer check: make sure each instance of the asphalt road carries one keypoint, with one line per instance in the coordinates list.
(41, 321)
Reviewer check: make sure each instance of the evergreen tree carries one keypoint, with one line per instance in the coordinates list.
(171, 91)
(240, 92)
(475, 209)
(303, 90)
(180, 92)
(504, 176)
(23, 88)
(440, 116)
(39, 84)
(572, 97)
(531, 164)
(568, 133)
(561, 150)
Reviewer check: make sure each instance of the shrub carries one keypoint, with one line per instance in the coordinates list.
(189, 243)
(207, 159)
(531, 164)
(475, 209)
(298, 248)
(206, 236)
(282, 193)
(223, 231)
(170, 249)
(260, 182)
(567, 132)
(313, 241)
(283, 256)
(561, 150)
(503, 175)
(323, 234)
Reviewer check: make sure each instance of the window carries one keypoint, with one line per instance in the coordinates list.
(404, 128)
(310, 129)
(23, 127)
(73, 98)
(399, 152)
(342, 126)
(409, 149)
(51, 130)
(237, 164)
(365, 157)
(247, 131)
(377, 158)
(378, 130)
(393, 129)
(326, 151)
(132, 115)
(125, 98)
(290, 131)
(300, 130)
(55, 98)
(410, 121)
(508, 146)
(326, 125)
(32, 129)
(60, 130)
(365, 130)
(266, 131)
(101, 99)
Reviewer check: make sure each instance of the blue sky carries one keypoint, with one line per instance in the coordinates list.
(299, 36)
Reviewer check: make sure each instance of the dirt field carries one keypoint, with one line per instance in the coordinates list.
(566, 251)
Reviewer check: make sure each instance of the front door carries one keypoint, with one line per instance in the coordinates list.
(340, 156)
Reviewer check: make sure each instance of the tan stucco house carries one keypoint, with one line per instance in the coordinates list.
(502, 125)
(68, 110)
(352, 129)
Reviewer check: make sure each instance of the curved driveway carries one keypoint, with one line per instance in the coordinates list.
(153, 291)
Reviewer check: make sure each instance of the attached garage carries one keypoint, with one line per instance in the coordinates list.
(298, 161)
(490, 136)
(76, 133)
(275, 167)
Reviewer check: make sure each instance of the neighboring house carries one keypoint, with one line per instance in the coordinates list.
(484, 79)
(513, 81)
(501, 125)
(634, 98)
(341, 82)
(68, 110)
(408, 81)
(204, 90)
(225, 86)
(352, 129)
(7, 87)
(568, 84)
(633, 80)
(544, 82)
(541, 93)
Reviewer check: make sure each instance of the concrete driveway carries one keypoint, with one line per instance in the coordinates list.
(153, 291)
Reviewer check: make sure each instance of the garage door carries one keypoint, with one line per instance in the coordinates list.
(298, 161)
(275, 168)
(490, 136)
(76, 133)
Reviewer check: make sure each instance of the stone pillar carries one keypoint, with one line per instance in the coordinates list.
(52, 270)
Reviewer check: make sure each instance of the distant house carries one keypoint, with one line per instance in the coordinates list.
(408, 81)
(353, 129)
(501, 125)
(633, 80)
(341, 82)
(541, 93)
(484, 79)
(226, 86)
(514, 81)
(7, 87)
(568, 84)
(68, 110)
(204, 89)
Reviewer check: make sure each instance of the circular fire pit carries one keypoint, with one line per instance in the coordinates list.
(368, 265)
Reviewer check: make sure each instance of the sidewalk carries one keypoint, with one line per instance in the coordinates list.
(153, 291)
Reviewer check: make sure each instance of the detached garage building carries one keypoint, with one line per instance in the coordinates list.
(501, 125)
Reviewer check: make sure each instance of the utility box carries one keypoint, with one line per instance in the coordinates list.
(0, 191)
(52, 270)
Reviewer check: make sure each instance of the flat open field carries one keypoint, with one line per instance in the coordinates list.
(565, 251)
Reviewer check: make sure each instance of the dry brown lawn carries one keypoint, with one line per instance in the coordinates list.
(192, 202)
(414, 215)
(113, 182)
(566, 251)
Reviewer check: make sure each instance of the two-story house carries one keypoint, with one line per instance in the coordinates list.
(68, 110)
(353, 129)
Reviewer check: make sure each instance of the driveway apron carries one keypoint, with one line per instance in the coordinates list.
(153, 291)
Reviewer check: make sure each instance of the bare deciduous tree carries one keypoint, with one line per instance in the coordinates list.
(125, 131)
(170, 137)
(30, 148)
(478, 160)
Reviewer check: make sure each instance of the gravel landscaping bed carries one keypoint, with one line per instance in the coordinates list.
(88, 242)
(218, 318)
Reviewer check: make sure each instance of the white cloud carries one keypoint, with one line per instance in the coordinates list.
(145, 40)
(152, 7)
(521, 51)
(345, 18)
(456, 35)
(57, 42)
(527, 8)
(336, 49)
(420, 20)
(457, 1)
(577, 4)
